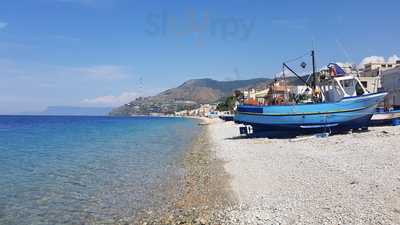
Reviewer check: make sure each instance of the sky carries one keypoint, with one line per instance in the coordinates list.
(108, 52)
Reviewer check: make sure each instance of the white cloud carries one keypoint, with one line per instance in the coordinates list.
(111, 100)
(94, 72)
(393, 59)
(51, 84)
(371, 59)
(378, 59)
(37, 71)
(3, 25)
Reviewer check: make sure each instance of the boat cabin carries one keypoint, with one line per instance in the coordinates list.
(336, 88)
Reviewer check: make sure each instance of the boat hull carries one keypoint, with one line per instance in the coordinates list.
(226, 118)
(349, 113)
(384, 118)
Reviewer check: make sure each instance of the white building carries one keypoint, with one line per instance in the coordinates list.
(371, 75)
(391, 84)
(375, 68)
(204, 111)
(258, 95)
(249, 94)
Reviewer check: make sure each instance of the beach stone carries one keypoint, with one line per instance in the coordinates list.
(200, 221)
(341, 179)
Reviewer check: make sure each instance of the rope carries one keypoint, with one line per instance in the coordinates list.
(295, 59)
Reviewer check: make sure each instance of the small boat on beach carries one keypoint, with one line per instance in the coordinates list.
(383, 118)
(226, 117)
(339, 103)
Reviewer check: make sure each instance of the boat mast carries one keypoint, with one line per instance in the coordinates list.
(285, 98)
(316, 80)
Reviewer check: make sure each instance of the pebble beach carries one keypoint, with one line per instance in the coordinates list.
(343, 179)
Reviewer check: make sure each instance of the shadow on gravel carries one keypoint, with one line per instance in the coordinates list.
(286, 136)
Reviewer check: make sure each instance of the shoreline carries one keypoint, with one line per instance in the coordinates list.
(342, 179)
(205, 191)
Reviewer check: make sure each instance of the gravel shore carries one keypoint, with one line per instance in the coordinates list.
(342, 179)
(204, 193)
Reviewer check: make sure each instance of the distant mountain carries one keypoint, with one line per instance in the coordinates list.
(207, 90)
(76, 111)
(188, 96)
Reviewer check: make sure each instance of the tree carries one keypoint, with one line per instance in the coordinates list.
(222, 107)
(228, 104)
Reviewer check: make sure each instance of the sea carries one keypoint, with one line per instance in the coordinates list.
(88, 170)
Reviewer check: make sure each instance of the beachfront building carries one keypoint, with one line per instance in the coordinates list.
(260, 95)
(203, 111)
(375, 68)
(371, 75)
(391, 84)
(371, 83)
(182, 113)
(255, 95)
(384, 76)
(206, 109)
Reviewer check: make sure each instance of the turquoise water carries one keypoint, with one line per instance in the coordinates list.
(87, 170)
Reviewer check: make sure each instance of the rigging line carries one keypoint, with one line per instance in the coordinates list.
(295, 59)
(346, 53)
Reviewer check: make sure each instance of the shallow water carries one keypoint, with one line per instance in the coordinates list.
(87, 170)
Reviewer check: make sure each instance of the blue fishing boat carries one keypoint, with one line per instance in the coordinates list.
(340, 103)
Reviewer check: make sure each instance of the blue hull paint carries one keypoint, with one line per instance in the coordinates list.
(226, 118)
(347, 114)
(292, 130)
